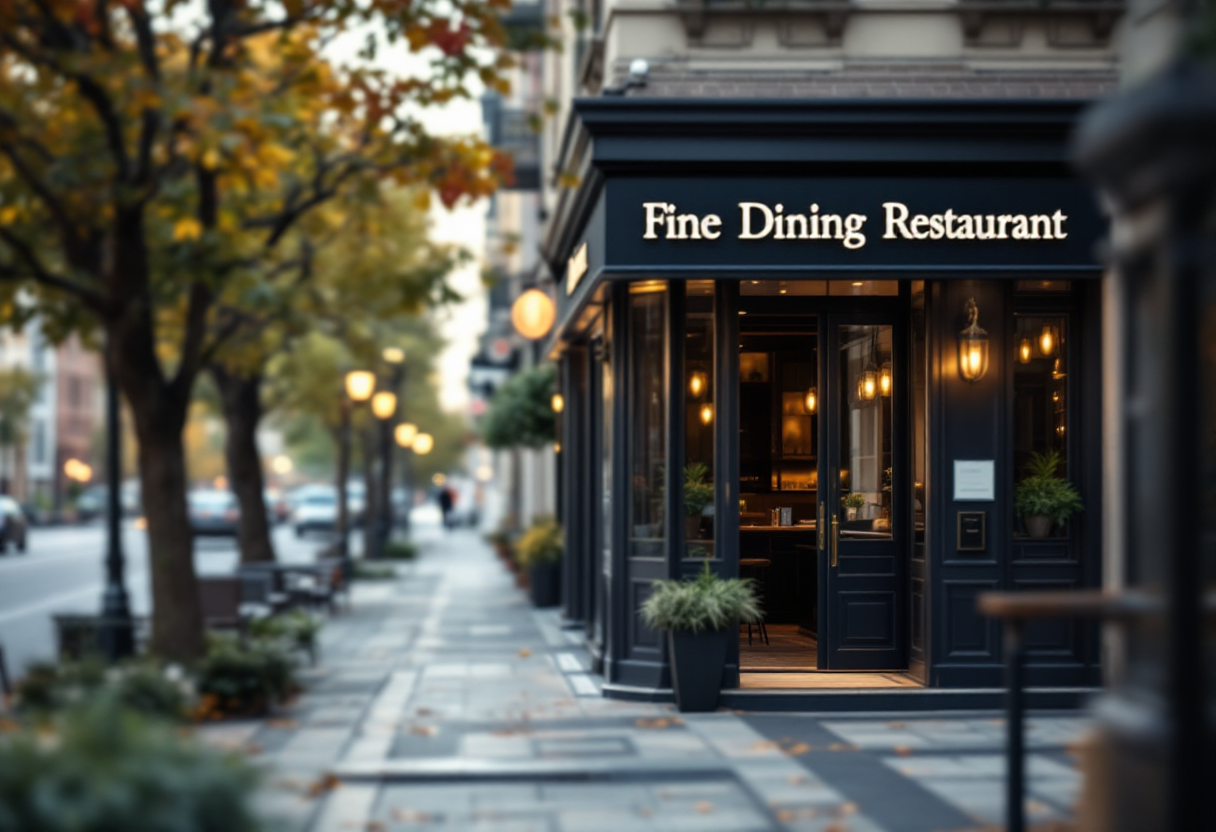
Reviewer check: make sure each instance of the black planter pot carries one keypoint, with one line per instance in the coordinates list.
(697, 662)
(546, 584)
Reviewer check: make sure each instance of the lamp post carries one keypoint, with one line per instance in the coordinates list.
(116, 635)
(359, 387)
(404, 433)
(384, 408)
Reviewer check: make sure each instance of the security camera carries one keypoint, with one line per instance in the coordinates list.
(639, 71)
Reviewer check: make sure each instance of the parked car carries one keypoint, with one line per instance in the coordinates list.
(213, 512)
(14, 528)
(317, 511)
(93, 501)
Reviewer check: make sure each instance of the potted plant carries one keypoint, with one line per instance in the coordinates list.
(699, 617)
(1044, 500)
(698, 493)
(852, 503)
(540, 553)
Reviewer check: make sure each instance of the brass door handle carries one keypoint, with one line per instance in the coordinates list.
(835, 541)
(819, 526)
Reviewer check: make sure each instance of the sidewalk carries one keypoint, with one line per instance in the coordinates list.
(444, 702)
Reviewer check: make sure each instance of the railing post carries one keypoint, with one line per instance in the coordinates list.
(1015, 773)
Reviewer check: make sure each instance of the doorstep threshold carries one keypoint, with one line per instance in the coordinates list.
(899, 699)
(452, 769)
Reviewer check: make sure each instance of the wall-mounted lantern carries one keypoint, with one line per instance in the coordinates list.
(812, 400)
(972, 346)
(1024, 351)
(557, 403)
(533, 314)
(1047, 340)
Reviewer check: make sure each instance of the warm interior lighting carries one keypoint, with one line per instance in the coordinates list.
(1057, 371)
(696, 383)
(972, 346)
(812, 400)
(533, 314)
(557, 403)
(404, 433)
(557, 447)
(384, 404)
(281, 464)
(1024, 351)
(393, 355)
(884, 379)
(1047, 340)
(423, 443)
(707, 413)
(78, 471)
(869, 383)
(360, 384)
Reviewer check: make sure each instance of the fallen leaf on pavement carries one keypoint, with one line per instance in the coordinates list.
(424, 730)
(705, 807)
(374, 826)
(797, 779)
(327, 783)
(409, 816)
(903, 750)
(847, 809)
(285, 724)
(424, 712)
(786, 816)
(659, 722)
(841, 746)
(797, 749)
(898, 726)
(763, 745)
(524, 653)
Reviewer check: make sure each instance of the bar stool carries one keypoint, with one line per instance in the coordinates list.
(757, 570)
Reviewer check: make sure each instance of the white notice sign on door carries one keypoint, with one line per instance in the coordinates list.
(974, 480)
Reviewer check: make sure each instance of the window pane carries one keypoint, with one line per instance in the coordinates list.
(647, 418)
(700, 402)
(1040, 393)
(865, 431)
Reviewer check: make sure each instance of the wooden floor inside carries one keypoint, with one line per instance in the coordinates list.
(789, 662)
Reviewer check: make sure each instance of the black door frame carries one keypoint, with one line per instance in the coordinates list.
(829, 311)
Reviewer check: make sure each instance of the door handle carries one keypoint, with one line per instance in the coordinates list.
(819, 526)
(835, 541)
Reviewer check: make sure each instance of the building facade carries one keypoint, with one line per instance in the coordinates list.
(826, 285)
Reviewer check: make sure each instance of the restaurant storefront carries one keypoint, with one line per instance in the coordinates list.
(816, 343)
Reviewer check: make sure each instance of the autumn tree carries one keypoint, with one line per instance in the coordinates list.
(19, 390)
(363, 263)
(155, 155)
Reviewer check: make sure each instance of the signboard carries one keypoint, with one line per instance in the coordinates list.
(974, 480)
(972, 531)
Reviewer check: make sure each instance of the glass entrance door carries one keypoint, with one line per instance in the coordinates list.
(861, 513)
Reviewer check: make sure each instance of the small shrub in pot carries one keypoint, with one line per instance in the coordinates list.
(699, 617)
(540, 554)
(1044, 500)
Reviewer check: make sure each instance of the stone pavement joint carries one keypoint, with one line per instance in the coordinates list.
(445, 701)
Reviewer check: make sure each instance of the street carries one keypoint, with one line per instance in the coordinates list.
(63, 571)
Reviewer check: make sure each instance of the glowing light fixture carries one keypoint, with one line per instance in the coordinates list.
(404, 433)
(281, 464)
(696, 383)
(423, 443)
(1024, 351)
(884, 379)
(1057, 370)
(393, 355)
(1047, 340)
(812, 400)
(360, 384)
(972, 346)
(384, 404)
(707, 413)
(557, 403)
(533, 314)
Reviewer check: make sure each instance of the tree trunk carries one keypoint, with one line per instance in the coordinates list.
(240, 396)
(371, 506)
(177, 622)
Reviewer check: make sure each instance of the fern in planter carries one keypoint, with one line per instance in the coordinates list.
(708, 603)
(1043, 494)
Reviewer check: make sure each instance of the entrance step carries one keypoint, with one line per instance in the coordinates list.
(899, 699)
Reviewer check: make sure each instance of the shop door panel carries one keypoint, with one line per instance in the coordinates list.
(862, 553)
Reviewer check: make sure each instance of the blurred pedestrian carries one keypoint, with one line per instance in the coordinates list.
(445, 505)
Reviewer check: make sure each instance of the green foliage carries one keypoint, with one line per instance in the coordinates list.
(1044, 493)
(854, 500)
(521, 412)
(296, 629)
(399, 550)
(541, 544)
(707, 603)
(370, 572)
(18, 390)
(100, 767)
(143, 686)
(235, 679)
(698, 490)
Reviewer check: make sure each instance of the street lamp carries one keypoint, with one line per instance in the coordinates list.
(423, 443)
(116, 635)
(384, 408)
(405, 433)
(359, 386)
(384, 405)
